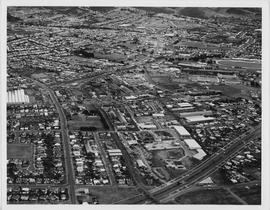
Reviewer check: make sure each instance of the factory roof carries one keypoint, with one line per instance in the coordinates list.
(181, 131)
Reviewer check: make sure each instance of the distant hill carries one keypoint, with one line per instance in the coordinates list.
(102, 9)
(166, 10)
(204, 12)
(193, 12)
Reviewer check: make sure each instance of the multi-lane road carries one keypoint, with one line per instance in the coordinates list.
(199, 172)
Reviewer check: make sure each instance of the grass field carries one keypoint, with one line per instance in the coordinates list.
(20, 151)
(93, 123)
(251, 195)
(206, 196)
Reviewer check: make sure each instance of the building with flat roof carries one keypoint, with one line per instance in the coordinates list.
(192, 144)
(200, 155)
(198, 119)
(181, 130)
(184, 104)
(114, 152)
(196, 113)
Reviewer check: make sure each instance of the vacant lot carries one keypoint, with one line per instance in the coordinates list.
(171, 154)
(207, 196)
(20, 151)
(111, 194)
(227, 90)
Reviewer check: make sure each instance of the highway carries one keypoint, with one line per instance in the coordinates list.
(200, 171)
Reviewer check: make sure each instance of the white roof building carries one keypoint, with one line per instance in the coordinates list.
(181, 130)
(184, 104)
(198, 118)
(192, 144)
(200, 155)
(17, 97)
(147, 126)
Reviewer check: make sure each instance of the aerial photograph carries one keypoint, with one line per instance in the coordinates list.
(133, 105)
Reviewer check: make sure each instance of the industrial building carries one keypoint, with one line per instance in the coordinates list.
(200, 155)
(196, 113)
(192, 144)
(198, 119)
(17, 97)
(181, 131)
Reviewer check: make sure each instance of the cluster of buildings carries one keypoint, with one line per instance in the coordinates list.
(117, 162)
(149, 81)
(88, 165)
(44, 164)
(27, 117)
(237, 169)
(36, 195)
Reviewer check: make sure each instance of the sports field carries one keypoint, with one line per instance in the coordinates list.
(20, 151)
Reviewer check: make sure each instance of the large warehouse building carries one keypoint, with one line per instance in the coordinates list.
(181, 131)
(199, 119)
(17, 97)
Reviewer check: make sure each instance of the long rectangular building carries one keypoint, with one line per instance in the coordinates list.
(199, 119)
(181, 131)
(17, 97)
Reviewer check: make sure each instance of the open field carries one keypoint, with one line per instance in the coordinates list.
(227, 90)
(109, 194)
(171, 154)
(20, 151)
(252, 194)
(75, 125)
(207, 196)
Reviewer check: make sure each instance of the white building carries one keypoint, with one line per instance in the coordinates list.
(17, 97)
(192, 144)
(181, 130)
(198, 119)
